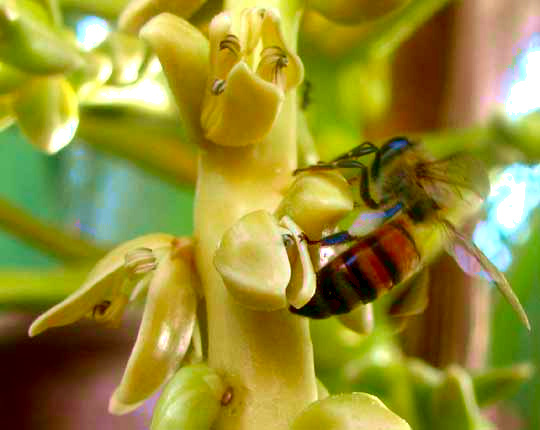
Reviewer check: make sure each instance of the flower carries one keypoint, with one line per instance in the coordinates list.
(160, 265)
(250, 72)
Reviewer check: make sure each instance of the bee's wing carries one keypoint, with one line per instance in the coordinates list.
(458, 171)
(473, 262)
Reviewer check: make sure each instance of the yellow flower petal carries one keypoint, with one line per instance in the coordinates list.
(303, 280)
(99, 287)
(244, 112)
(293, 71)
(253, 262)
(164, 335)
(183, 52)
(47, 112)
(316, 201)
(138, 12)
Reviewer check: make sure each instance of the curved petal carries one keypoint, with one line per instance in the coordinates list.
(316, 201)
(138, 12)
(253, 262)
(47, 112)
(99, 284)
(183, 52)
(244, 112)
(303, 281)
(164, 335)
(271, 35)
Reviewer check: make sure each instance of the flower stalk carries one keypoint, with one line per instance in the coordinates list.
(267, 356)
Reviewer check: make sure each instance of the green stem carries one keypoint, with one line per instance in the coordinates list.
(135, 137)
(389, 33)
(45, 237)
(108, 8)
(39, 289)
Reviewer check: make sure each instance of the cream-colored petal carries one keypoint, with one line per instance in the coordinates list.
(138, 12)
(222, 60)
(253, 262)
(47, 112)
(293, 71)
(250, 28)
(164, 335)
(303, 280)
(316, 201)
(100, 281)
(183, 52)
(191, 400)
(244, 112)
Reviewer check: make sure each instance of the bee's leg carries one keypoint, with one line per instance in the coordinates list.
(333, 239)
(365, 148)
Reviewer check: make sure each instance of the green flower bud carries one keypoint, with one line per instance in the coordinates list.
(11, 78)
(355, 411)
(496, 384)
(355, 11)
(454, 403)
(191, 400)
(47, 112)
(32, 44)
(129, 56)
(138, 12)
(316, 201)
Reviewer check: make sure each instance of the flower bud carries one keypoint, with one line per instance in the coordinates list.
(29, 42)
(138, 12)
(191, 400)
(355, 411)
(316, 201)
(47, 112)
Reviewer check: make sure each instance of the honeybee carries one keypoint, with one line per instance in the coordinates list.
(417, 191)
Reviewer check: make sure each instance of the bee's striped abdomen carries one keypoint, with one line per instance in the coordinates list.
(371, 267)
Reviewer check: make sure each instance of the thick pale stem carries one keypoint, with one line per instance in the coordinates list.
(266, 356)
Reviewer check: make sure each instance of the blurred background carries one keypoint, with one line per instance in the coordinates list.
(467, 78)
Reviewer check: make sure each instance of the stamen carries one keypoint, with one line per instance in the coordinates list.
(100, 309)
(218, 86)
(231, 43)
(139, 262)
(275, 57)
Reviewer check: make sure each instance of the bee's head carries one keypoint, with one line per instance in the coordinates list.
(394, 171)
(390, 151)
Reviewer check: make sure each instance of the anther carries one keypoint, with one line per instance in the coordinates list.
(218, 86)
(140, 261)
(100, 309)
(231, 43)
(227, 396)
